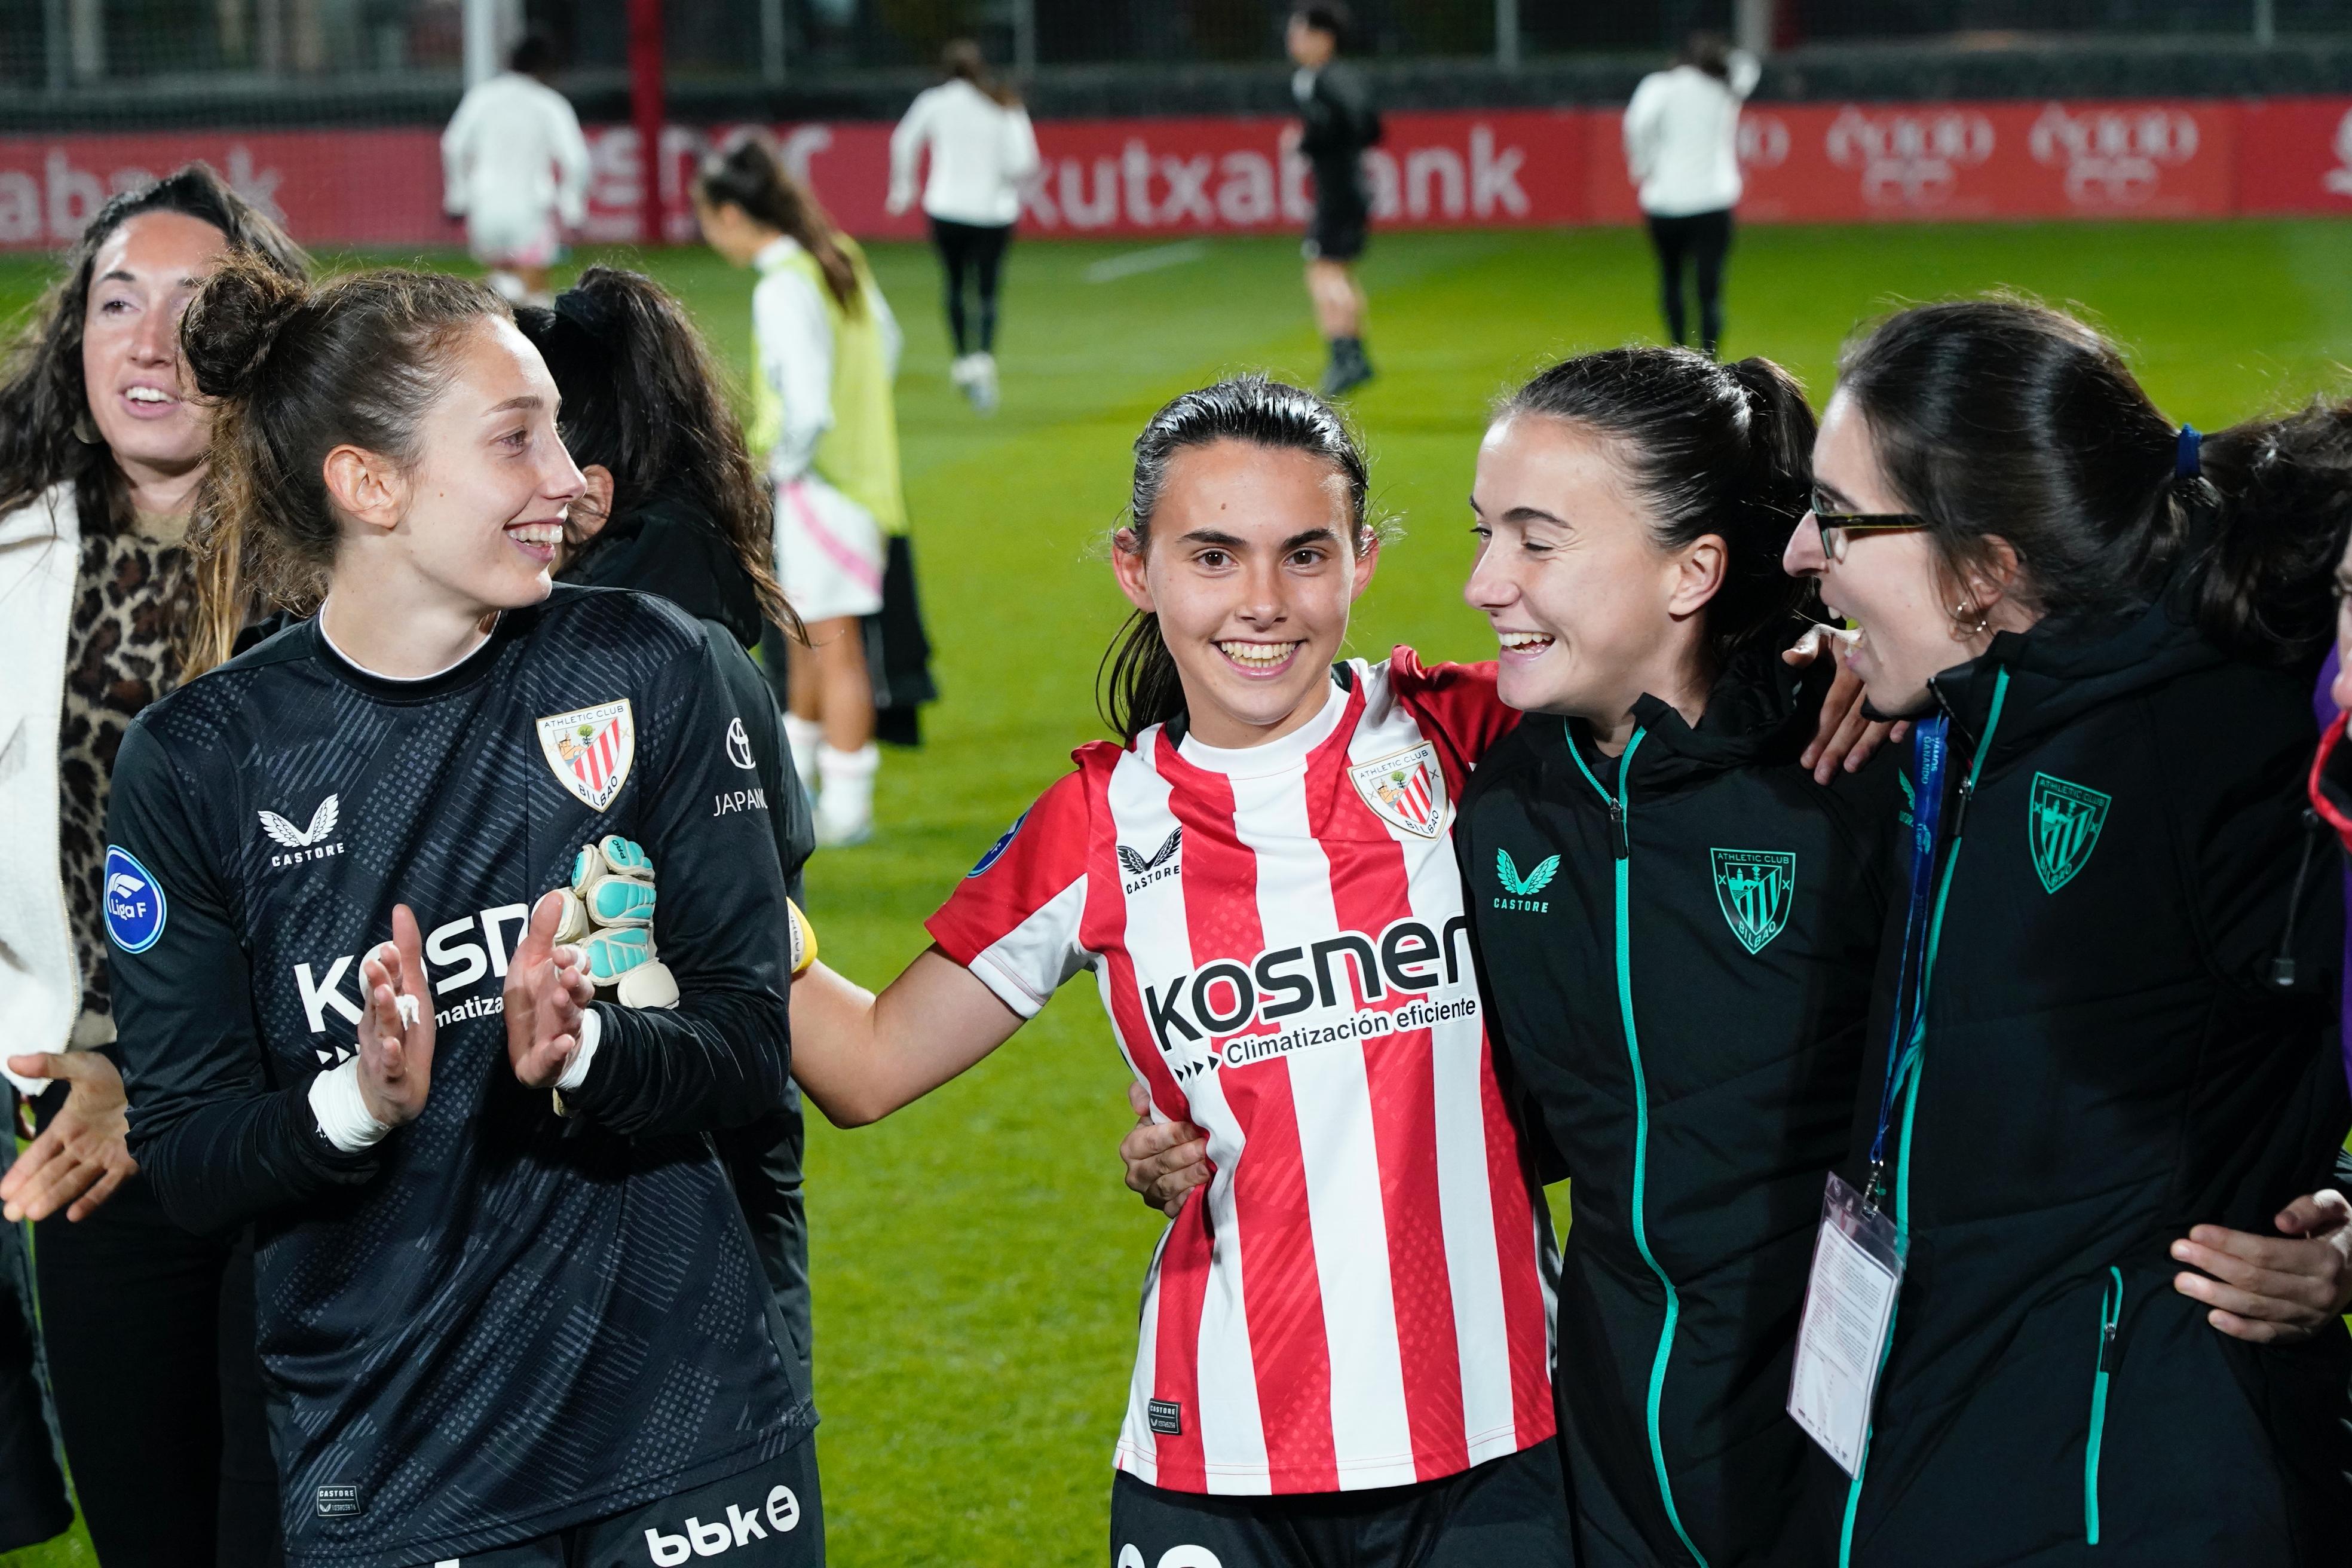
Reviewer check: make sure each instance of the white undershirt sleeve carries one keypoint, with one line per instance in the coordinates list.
(907, 149)
(571, 150)
(457, 153)
(796, 357)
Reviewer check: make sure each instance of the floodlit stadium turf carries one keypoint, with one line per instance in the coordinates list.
(976, 1259)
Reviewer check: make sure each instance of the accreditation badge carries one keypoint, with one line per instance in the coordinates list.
(1849, 1317)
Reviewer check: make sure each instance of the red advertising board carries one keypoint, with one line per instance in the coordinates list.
(2296, 155)
(1138, 179)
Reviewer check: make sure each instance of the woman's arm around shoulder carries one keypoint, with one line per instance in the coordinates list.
(1457, 701)
(1003, 942)
(861, 1057)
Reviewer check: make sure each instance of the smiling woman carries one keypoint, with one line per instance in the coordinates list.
(454, 1165)
(2118, 1048)
(147, 1331)
(1262, 876)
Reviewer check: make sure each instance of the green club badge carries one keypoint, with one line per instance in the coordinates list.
(2062, 823)
(1755, 888)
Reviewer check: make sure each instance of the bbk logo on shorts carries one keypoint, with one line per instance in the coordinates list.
(740, 1527)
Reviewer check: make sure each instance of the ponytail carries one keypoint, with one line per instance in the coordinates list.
(962, 61)
(643, 400)
(294, 371)
(2280, 492)
(748, 174)
(1138, 684)
(2004, 419)
(1714, 449)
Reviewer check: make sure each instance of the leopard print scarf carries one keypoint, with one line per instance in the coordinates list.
(131, 592)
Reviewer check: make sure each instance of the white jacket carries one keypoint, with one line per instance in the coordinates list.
(982, 154)
(515, 146)
(792, 334)
(41, 982)
(1681, 137)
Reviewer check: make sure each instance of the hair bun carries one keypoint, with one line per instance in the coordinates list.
(233, 324)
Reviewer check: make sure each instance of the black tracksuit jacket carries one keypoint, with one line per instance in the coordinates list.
(2109, 1058)
(1680, 976)
(668, 545)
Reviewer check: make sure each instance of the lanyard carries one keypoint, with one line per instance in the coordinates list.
(1923, 923)
(1930, 741)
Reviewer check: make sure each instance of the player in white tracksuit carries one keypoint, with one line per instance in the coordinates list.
(982, 151)
(514, 168)
(1682, 149)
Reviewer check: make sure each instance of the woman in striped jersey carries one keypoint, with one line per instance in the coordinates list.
(1345, 1341)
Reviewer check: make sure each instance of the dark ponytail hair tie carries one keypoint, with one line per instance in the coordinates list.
(585, 311)
(2185, 464)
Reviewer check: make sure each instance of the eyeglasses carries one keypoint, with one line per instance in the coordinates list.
(1838, 528)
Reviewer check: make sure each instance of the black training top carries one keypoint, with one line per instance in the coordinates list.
(497, 1322)
(2130, 1030)
(667, 544)
(1679, 962)
(1336, 122)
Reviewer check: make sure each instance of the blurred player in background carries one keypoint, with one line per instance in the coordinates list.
(676, 506)
(827, 350)
(515, 167)
(148, 1330)
(1336, 122)
(981, 152)
(1682, 148)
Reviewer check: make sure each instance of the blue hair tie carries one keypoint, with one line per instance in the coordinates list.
(2184, 464)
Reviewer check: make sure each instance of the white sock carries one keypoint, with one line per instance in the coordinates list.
(804, 736)
(847, 799)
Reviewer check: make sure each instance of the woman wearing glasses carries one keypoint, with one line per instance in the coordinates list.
(2108, 1036)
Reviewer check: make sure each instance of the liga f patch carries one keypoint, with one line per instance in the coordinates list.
(591, 750)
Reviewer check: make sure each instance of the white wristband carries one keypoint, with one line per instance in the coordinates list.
(575, 1071)
(341, 1109)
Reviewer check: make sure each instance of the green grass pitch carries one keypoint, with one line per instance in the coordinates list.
(976, 1258)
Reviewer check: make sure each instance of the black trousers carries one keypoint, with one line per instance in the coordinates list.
(33, 1506)
(158, 1384)
(1701, 241)
(972, 254)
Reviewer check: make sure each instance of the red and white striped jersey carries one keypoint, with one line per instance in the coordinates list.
(1363, 1295)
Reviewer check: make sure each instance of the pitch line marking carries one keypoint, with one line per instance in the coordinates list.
(1116, 267)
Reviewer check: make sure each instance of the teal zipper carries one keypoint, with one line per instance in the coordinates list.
(1621, 848)
(2111, 1312)
(1909, 1071)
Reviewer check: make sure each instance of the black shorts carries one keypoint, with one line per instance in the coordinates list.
(1505, 1513)
(770, 1516)
(1336, 232)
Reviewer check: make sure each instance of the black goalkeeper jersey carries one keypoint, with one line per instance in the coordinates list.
(497, 1321)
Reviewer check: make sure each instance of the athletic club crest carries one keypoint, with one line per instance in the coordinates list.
(1755, 888)
(1405, 789)
(591, 750)
(2063, 822)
